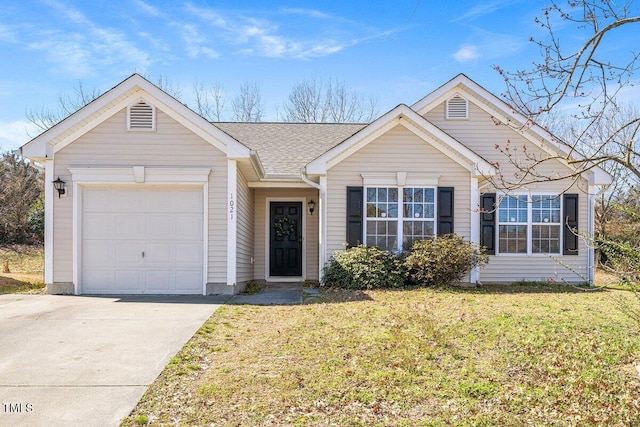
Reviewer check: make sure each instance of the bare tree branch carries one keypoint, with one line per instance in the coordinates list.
(314, 101)
(584, 81)
(247, 105)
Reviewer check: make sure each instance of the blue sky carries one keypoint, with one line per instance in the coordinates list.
(394, 51)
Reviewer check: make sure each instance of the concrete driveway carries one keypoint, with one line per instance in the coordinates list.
(86, 361)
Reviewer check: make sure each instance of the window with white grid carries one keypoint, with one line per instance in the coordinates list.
(396, 217)
(545, 228)
(419, 208)
(529, 224)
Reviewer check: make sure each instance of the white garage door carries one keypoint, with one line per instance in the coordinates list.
(142, 241)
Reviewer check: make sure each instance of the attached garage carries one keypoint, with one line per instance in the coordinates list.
(142, 239)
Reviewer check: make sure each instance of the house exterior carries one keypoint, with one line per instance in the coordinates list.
(157, 200)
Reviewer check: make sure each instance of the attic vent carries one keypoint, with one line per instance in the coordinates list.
(457, 108)
(141, 116)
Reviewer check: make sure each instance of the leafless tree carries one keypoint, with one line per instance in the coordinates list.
(566, 128)
(585, 81)
(167, 86)
(210, 101)
(247, 105)
(314, 101)
(22, 186)
(68, 104)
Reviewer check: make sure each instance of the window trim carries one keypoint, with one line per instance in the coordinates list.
(529, 223)
(400, 218)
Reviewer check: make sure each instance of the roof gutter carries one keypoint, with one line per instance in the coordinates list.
(306, 180)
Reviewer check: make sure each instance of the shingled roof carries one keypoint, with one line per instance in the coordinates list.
(285, 148)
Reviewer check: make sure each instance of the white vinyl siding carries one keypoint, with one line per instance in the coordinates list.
(109, 145)
(245, 230)
(399, 150)
(480, 134)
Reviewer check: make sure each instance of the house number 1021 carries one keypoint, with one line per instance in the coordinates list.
(232, 206)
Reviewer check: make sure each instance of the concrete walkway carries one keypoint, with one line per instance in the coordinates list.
(277, 294)
(86, 361)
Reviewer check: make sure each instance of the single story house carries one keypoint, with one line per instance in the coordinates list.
(144, 196)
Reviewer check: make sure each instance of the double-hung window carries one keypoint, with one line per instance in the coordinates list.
(529, 224)
(397, 216)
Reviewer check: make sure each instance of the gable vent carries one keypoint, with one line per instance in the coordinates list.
(457, 108)
(141, 116)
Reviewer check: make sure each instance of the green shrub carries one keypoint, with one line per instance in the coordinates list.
(365, 267)
(443, 260)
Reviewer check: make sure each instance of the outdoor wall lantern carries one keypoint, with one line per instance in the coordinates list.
(312, 206)
(59, 185)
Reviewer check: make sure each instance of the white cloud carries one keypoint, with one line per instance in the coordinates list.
(259, 36)
(89, 49)
(485, 8)
(195, 42)
(149, 9)
(466, 53)
(15, 134)
(312, 13)
(7, 34)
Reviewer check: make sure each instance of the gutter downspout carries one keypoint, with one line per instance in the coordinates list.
(322, 212)
(591, 196)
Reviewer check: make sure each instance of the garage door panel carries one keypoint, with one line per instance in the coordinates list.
(128, 226)
(121, 224)
(100, 278)
(128, 201)
(97, 225)
(128, 281)
(189, 254)
(160, 281)
(189, 227)
(159, 254)
(186, 281)
(128, 254)
(97, 253)
(160, 200)
(97, 201)
(188, 201)
(160, 226)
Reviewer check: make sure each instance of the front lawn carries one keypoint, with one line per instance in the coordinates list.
(26, 269)
(503, 356)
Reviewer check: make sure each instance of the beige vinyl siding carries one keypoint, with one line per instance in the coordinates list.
(481, 134)
(311, 228)
(109, 145)
(399, 150)
(246, 230)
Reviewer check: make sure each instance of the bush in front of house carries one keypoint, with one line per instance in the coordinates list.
(365, 267)
(443, 260)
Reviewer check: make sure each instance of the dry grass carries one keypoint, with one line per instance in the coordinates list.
(504, 356)
(26, 266)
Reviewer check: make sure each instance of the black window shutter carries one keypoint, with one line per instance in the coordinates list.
(570, 223)
(488, 222)
(445, 210)
(354, 216)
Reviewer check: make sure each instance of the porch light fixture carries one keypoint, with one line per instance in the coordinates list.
(312, 206)
(59, 185)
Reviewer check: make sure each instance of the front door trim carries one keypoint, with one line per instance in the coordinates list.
(267, 243)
